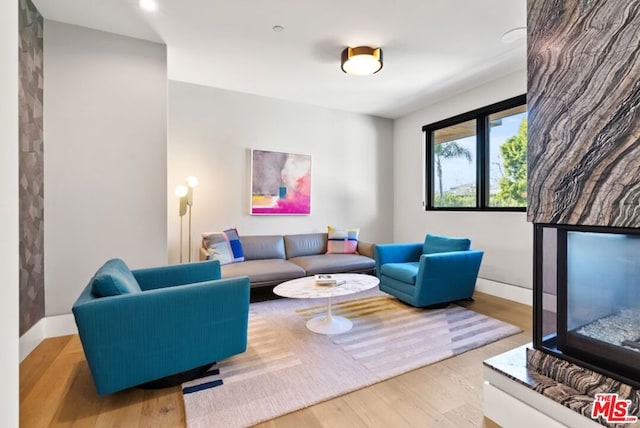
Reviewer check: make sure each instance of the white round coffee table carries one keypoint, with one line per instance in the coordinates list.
(307, 288)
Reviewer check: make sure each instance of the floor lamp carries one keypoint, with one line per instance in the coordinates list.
(181, 192)
(191, 183)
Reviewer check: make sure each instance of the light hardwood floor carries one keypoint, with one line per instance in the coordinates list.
(56, 390)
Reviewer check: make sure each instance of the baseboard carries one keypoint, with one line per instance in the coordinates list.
(32, 338)
(505, 291)
(57, 325)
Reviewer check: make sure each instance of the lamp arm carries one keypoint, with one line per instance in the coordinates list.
(182, 210)
(189, 196)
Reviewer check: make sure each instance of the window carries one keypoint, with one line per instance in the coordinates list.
(454, 155)
(478, 160)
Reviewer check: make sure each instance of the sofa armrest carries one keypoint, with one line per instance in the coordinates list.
(134, 338)
(203, 254)
(396, 253)
(168, 276)
(448, 276)
(365, 248)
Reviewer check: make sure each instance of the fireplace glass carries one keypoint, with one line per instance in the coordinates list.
(587, 290)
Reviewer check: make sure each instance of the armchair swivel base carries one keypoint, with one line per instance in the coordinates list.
(176, 379)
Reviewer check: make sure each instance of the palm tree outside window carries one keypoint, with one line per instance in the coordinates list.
(454, 150)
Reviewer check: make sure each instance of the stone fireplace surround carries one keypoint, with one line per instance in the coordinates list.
(526, 387)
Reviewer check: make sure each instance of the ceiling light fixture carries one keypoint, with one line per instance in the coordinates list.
(361, 61)
(149, 5)
(514, 35)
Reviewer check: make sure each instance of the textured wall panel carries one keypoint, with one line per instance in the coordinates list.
(584, 121)
(31, 166)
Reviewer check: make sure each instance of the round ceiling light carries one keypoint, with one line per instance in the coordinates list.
(148, 5)
(361, 60)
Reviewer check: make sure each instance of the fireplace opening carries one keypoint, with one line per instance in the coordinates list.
(587, 297)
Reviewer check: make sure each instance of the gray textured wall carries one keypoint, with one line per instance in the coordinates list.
(583, 98)
(31, 166)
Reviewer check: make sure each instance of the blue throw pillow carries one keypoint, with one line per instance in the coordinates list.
(444, 244)
(113, 279)
(235, 244)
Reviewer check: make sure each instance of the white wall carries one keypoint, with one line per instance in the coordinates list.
(506, 237)
(9, 212)
(211, 132)
(105, 156)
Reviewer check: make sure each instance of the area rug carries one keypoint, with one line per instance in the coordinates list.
(287, 367)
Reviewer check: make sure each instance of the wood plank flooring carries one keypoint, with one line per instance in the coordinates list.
(56, 390)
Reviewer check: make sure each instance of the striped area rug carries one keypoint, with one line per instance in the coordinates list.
(287, 367)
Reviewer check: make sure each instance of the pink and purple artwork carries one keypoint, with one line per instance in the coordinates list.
(280, 183)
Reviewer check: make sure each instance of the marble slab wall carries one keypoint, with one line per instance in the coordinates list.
(31, 165)
(583, 99)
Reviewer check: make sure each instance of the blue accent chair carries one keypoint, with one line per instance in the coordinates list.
(438, 271)
(143, 325)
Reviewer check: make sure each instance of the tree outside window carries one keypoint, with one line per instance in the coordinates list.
(508, 152)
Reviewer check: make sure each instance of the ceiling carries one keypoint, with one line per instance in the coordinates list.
(432, 48)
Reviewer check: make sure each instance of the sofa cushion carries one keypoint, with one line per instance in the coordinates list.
(405, 272)
(258, 247)
(113, 279)
(308, 244)
(403, 290)
(264, 270)
(334, 263)
(342, 241)
(444, 244)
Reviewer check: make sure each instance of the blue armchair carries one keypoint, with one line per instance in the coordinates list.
(143, 325)
(435, 272)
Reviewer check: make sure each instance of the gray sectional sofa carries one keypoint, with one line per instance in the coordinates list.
(272, 259)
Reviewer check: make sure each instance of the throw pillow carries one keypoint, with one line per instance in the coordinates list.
(444, 244)
(235, 244)
(342, 241)
(113, 279)
(224, 246)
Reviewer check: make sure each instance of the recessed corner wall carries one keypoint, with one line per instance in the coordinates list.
(211, 132)
(105, 158)
(584, 112)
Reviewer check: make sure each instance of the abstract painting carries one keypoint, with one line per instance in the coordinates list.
(280, 183)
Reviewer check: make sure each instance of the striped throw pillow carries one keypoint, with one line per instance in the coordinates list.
(224, 246)
(342, 241)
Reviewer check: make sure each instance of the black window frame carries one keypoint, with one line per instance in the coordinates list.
(481, 116)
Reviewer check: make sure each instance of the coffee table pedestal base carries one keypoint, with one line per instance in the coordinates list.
(327, 324)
